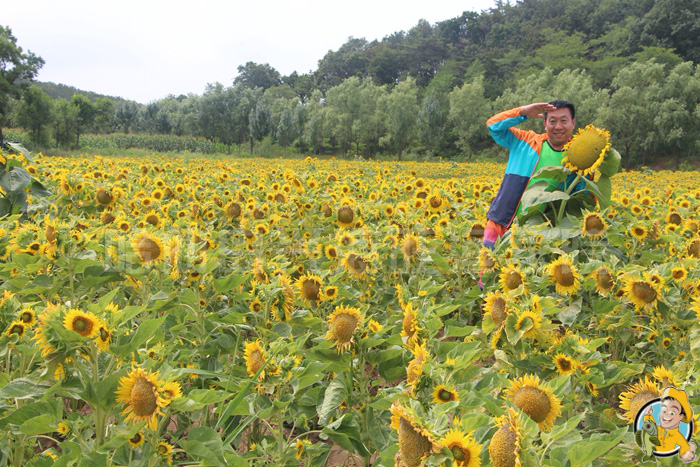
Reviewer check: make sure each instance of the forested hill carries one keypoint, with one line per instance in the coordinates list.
(511, 41)
(63, 91)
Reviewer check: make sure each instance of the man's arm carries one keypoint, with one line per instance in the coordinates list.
(501, 125)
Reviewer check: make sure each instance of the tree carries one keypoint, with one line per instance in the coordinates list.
(35, 111)
(65, 122)
(469, 110)
(432, 117)
(251, 75)
(398, 110)
(286, 130)
(126, 115)
(315, 125)
(104, 115)
(260, 122)
(344, 111)
(85, 115)
(15, 67)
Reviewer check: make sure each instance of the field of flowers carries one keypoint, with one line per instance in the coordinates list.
(215, 311)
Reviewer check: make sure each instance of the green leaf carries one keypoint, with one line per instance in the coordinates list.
(204, 443)
(19, 148)
(605, 186)
(22, 389)
(27, 412)
(38, 190)
(15, 180)
(345, 432)
(39, 425)
(557, 173)
(230, 282)
(334, 396)
(536, 195)
(611, 163)
(145, 331)
(586, 451)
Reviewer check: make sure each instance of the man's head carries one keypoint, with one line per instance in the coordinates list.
(559, 124)
(672, 413)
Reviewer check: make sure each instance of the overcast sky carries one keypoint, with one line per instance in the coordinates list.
(145, 50)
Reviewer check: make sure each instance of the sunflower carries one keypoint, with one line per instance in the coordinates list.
(165, 450)
(331, 252)
(436, 202)
(486, 260)
(411, 247)
(409, 325)
(565, 365)
(139, 392)
(355, 264)
(679, 274)
(104, 197)
(527, 317)
(443, 395)
(504, 448)
(415, 442)
(496, 307)
(414, 370)
(16, 327)
(644, 292)
(564, 275)
(664, 376)
(346, 216)
(674, 218)
(343, 323)
(331, 292)
(254, 359)
(639, 232)
(594, 226)
(465, 450)
(511, 279)
(149, 249)
(536, 400)
(153, 218)
(692, 248)
(137, 440)
(27, 316)
(85, 324)
(636, 396)
(310, 288)
(123, 225)
(586, 151)
(604, 281)
(102, 337)
(171, 390)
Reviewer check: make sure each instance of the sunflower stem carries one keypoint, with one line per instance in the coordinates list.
(97, 411)
(562, 207)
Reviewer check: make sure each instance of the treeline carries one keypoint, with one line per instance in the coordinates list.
(628, 65)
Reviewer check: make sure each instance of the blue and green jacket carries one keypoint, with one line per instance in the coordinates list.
(525, 148)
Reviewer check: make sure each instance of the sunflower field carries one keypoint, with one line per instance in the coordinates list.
(218, 311)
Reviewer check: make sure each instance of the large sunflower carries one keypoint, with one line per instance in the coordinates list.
(149, 248)
(139, 391)
(416, 443)
(409, 325)
(443, 394)
(465, 451)
(343, 323)
(586, 151)
(536, 400)
(310, 288)
(496, 308)
(511, 279)
(565, 364)
(355, 264)
(594, 226)
(254, 359)
(414, 370)
(486, 260)
(85, 324)
(636, 396)
(411, 247)
(564, 275)
(604, 281)
(644, 292)
(504, 448)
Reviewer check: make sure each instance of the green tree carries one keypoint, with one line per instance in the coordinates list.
(260, 122)
(65, 122)
(398, 111)
(286, 129)
(369, 128)
(126, 116)
(432, 118)
(218, 114)
(85, 115)
(344, 112)
(104, 115)
(35, 112)
(253, 75)
(469, 110)
(16, 69)
(315, 126)
(350, 60)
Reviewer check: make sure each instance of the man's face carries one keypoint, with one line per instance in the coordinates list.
(559, 127)
(670, 416)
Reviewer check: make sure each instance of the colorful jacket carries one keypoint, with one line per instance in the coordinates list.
(525, 148)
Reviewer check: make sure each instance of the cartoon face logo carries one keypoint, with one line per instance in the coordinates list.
(663, 427)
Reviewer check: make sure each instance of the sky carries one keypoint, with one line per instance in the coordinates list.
(145, 50)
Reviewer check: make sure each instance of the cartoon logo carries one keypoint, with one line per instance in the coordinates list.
(663, 427)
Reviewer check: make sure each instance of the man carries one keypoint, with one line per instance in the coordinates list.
(675, 408)
(529, 152)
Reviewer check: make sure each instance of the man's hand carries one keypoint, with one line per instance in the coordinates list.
(536, 110)
(689, 454)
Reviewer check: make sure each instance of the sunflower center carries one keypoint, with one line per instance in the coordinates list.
(153, 220)
(640, 399)
(137, 438)
(143, 398)
(50, 233)
(445, 395)
(17, 329)
(498, 310)
(503, 447)
(82, 326)
(357, 264)
(675, 218)
(534, 402)
(564, 275)
(345, 214)
(694, 249)
(327, 211)
(104, 334)
(148, 249)
(407, 324)
(26, 317)
(586, 149)
(256, 361)
(564, 364)
(513, 280)
(644, 291)
(412, 444)
(678, 274)
(460, 455)
(594, 224)
(604, 279)
(477, 231)
(233, 210)
(435, 202)
(310, 289)
(104, 197)
(344, 327)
